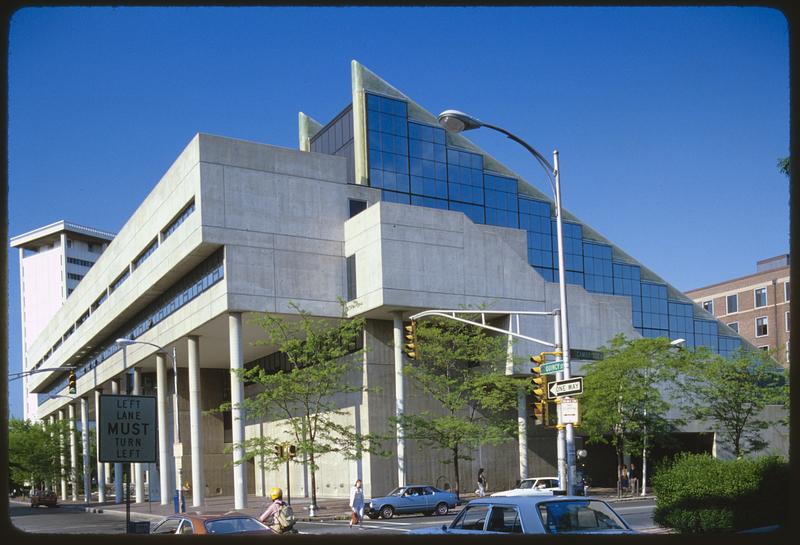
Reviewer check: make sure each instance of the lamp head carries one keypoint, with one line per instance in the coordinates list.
(455, 121)
(125, 342)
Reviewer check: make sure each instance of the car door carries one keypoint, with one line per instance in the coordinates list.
(471, 520)
(430, 499)
(504, 519)
(414, 501)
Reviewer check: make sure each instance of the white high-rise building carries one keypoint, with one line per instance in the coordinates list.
(52, 261)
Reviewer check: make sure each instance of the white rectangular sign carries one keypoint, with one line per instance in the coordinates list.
(570, 413)
(126, 429)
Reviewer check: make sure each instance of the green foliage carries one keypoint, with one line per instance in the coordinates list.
(625, 400)
(784, 165)
(33, 451)
(462, 367)
(322, 376)
(699, 494)
(731, 392)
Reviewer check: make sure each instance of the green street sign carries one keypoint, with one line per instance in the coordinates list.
(552, 367)
(581, 354)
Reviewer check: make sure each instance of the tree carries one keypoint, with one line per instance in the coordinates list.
(461, 367)
(308, 389)
(731, 393)
(784, 165)
(623, 401)
(34, 452)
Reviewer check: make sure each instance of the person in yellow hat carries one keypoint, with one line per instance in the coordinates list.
(278, 516)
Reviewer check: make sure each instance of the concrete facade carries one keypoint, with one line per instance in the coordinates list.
(235, 229)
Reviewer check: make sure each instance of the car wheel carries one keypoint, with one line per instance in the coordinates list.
(442, 509)
(387, 511)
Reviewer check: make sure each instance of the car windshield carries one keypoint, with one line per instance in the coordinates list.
(579, 516)
(233, 525)
(526, 484)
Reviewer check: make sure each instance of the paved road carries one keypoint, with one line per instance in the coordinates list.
(65, 520)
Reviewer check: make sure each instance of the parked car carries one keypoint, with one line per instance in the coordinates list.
(532, 485)
(534, 515)
(415, 498)
(227, 523)
(41, 497)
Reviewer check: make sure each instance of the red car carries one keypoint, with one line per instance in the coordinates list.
(228, 523)
(48, 498)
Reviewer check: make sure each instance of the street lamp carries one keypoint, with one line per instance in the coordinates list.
(177, 427)
(678, 344)
(456, 121)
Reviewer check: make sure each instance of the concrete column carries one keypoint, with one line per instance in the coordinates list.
(52, 420)
(165, 460)
(522, 432)
(73, 453)
(138, 469)
(115, 387)
(196, 420)
(101, 467)
(62, 457)
(399, 395)
(87, 470)
(237, 415)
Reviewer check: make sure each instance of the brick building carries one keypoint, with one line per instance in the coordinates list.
(756, 306)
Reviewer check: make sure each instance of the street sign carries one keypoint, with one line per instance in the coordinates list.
(561, 388)
(581, 354)
(552, 367)
(126, 429)
(569, 410)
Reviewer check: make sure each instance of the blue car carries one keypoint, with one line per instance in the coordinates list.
(415, 498)
(534, 515)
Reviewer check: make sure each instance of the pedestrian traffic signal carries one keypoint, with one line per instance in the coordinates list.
(73, 388)
(291, 451)
(411, 346)
(279, 451)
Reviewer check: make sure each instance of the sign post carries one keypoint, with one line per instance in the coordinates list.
(126, 433)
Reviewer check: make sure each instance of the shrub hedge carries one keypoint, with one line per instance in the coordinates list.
(696, 493)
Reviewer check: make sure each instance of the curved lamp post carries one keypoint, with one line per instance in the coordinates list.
(178, 470)
(456, 121)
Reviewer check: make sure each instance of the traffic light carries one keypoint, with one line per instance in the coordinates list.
(291, 451)
(411, 346)
(73, 388)
(279, 451)
(539, 389)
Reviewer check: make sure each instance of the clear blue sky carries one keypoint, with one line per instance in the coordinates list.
(669, 121)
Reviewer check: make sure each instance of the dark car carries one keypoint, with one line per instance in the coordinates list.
(227, 523)
(415, 498)
(41, 497)
(542, 514)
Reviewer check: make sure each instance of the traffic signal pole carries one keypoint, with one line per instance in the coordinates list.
(561, 443)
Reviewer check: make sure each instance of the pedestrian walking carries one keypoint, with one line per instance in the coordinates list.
(279, 516)
(623, 478)
(357, 504)
(481, 491)
(633, 472)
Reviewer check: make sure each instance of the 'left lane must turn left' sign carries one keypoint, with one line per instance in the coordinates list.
(126, 429)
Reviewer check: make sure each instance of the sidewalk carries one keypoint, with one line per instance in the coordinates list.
(328, 508)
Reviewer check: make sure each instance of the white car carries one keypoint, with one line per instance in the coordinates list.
(533, 486)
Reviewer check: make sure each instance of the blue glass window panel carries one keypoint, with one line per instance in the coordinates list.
(534, 207)
(653, 333)
(705, 334)
(393, 196)
(573, 277)
(728, 345)
(428, 187)
(501, 218)
(546, 273)
(429, 202)
(475, 213)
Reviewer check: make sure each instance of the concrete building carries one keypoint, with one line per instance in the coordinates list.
(52, 261)
(379, 207)
(756, 306)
